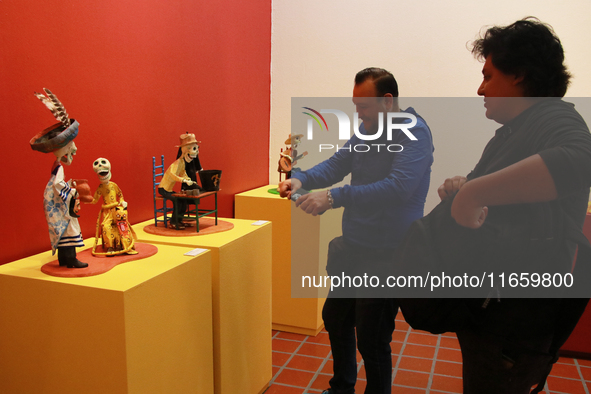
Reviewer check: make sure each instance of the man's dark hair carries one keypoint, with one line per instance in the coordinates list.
(383, 80)
(527, 48)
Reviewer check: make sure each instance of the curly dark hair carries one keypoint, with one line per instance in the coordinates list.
(383, 80)
(527, 48)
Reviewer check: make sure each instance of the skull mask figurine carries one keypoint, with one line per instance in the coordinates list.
(102, 167)
(190, 152)
(189, 146)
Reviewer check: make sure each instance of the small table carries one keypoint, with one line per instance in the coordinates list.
(198, 213)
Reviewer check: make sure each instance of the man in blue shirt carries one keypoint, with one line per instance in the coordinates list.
(387, 193)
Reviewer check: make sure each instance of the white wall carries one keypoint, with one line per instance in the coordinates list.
(318, 46)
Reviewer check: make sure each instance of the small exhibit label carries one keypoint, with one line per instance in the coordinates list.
(195, 252)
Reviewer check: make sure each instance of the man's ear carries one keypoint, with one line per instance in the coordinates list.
(518, 79)
(388, 101)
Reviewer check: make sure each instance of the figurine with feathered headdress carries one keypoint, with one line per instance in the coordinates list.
(60, 197)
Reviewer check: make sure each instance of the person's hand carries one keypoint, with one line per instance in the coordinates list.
(188, 181)
(466, 211)
(451, 186)
(313, 203)
(288, 187)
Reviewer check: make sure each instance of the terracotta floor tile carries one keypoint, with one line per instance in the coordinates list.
(566, 360)
(284, 345)
(359, 358)
(291, 335)
(441, 392)
(565, 385)
(394, 359)
(447, 383)
(310, 365)
(407, 390)
(278, 359)
(418, 351)
(566, 371)
(416, 364)
(321, 382)
(422, 339)
(412, 379)
(585, 371)
(448, 368)
(395, 347)
(399, 336)
(449, 342)
(280, 389)
(322, 337)
(312, 349)
(449, 355)
(294, 378)
(327, 367)
(273, 332)
(361, 372)
(305, 363)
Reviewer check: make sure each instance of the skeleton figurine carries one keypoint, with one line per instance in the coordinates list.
(289, 157)
(177, 172)
(59, 198)
(117, 235)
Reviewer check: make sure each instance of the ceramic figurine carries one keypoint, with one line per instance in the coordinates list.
(117, 235)
(192, 168)
(59, 198)
(177, 172)
(289, 156)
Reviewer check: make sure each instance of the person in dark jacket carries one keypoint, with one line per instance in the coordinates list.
(387, 193)
(541, 154)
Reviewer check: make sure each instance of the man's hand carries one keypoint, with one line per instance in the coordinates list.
(466, 211)
(288, 187)
(451, 186)
(188, 181)
(314, 203)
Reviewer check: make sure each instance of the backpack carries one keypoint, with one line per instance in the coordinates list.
(514, 238)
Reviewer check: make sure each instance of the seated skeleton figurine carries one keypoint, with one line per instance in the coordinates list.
(177, 172)
(117, 235)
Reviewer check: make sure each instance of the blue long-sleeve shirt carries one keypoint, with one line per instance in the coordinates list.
(388, 189)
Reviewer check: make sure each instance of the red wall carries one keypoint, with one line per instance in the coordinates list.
(135, 74)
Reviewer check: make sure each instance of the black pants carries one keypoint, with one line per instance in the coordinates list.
(372, 319)
(514, 345)
(179, 206)
(493, 367)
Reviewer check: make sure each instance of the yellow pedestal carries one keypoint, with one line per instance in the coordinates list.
(241, 284)
(298, 315)
(143, 327)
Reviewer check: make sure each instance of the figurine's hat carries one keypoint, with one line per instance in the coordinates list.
(296, 138)
(54, 137)
(187, 139)
(60, 134)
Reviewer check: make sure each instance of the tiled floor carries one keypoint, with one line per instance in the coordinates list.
(423, 364)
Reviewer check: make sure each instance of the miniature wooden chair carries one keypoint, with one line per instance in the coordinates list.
(156, 179)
